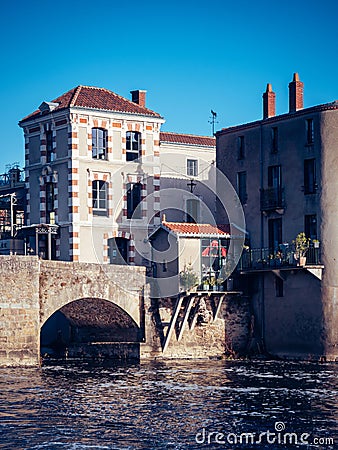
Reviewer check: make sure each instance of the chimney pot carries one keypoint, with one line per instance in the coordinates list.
(139, 97)
(269, 102)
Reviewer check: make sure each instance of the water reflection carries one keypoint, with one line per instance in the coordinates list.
(162, 405)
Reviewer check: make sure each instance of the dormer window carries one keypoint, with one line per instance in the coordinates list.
(46, 107)
(133, 145)
(99, 143)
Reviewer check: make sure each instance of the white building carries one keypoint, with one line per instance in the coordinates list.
(94, 165)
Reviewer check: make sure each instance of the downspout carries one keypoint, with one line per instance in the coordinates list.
(262, 305)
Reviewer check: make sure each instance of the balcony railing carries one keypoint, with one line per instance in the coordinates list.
(264, 258)
(272, 199)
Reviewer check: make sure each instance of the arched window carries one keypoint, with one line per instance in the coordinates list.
(99, 143)
(100, 196)
(133, 145)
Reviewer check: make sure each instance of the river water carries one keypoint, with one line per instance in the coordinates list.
(170, 405)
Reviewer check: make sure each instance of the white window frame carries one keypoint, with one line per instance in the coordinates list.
(133, 153)
(100, 209)
(192, 169)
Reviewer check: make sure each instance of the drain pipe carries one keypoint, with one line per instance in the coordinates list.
(262, 305)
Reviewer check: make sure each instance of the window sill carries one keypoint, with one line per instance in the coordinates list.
(100, 213)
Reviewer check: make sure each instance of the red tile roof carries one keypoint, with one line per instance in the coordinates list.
(97, 98)
(197, 229)
(190, 139)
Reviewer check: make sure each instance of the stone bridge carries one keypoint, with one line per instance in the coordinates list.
(105, 311)
(32, 290)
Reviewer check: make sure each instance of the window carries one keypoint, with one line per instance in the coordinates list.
(133, 201)
(192, 210)
(99, 191)
(241, 149)
(192, 167)
(310, 226)
(309, 131)
(275, 235)
(99, 143)
(49, 146)
(275, 184)
(118, 250)
(274, 136)
(133, 145)
(241, 187)
(50, 213)
(310, 184)
(275, 177)
(279, 287)
(213, 256)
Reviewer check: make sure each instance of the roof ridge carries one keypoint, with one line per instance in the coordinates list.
(75, 95)
(189, 134)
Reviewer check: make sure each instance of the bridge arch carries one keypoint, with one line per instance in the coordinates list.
(62, 282)
(89, 327)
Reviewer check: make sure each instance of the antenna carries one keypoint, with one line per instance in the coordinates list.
(213, 120)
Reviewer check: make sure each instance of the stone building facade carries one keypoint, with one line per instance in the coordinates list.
(93, 168)
(284, 170)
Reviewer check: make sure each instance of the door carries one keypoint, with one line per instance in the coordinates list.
(275, 235)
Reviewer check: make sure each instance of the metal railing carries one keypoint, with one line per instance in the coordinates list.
(272, 198)
(264, 258)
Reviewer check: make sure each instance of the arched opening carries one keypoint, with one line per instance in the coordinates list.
(90, 328)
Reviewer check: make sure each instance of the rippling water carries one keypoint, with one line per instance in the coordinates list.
(171, 405)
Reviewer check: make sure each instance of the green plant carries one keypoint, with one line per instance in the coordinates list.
(301, 244)
(315, 242)
(212, 281)
(188, 278)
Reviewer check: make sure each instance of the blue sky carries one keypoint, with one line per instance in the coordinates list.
(191, 57)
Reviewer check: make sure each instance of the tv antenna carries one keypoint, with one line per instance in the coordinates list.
(213, 120)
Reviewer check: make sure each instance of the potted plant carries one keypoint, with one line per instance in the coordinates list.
(301, 244)
(188, 278)
(316, 243)
(220, 284)
(212, 284)
(205, 284)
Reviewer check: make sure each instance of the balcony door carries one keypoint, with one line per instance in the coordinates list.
(275, 234)
(275, 177)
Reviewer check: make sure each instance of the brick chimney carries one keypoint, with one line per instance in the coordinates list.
(139, 97)
(269, 102)
(295, 94)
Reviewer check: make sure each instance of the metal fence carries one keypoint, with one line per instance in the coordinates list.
(265, 258)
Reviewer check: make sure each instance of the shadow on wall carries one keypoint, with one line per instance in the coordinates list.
(90, 328)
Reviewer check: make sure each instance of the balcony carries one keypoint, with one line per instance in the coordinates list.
(273, 199)
(265, 259)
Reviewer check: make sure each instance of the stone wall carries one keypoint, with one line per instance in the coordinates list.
(19, 310)
(62, 282)
(203, 336)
